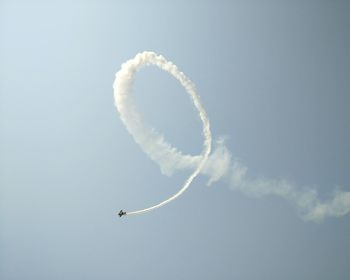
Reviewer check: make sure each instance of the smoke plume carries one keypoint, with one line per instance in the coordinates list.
(220, 164)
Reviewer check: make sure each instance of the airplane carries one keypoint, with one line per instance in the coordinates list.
(121, 213)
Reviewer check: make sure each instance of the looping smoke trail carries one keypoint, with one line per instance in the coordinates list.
(220, 165)
(150, 140)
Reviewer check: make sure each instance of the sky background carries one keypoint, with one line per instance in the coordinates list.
(274, 77)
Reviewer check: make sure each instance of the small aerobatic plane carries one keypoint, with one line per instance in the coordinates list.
(121, 213)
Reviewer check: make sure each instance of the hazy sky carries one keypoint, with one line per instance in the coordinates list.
(274, 77)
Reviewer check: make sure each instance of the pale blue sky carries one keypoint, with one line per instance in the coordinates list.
(274, 77)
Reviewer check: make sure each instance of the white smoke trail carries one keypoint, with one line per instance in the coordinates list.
(306, 200)
(220, 165)
(150, 140)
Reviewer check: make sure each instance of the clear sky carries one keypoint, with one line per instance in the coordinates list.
(274, 77)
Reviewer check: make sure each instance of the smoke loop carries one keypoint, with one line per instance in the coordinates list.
(149, 139)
